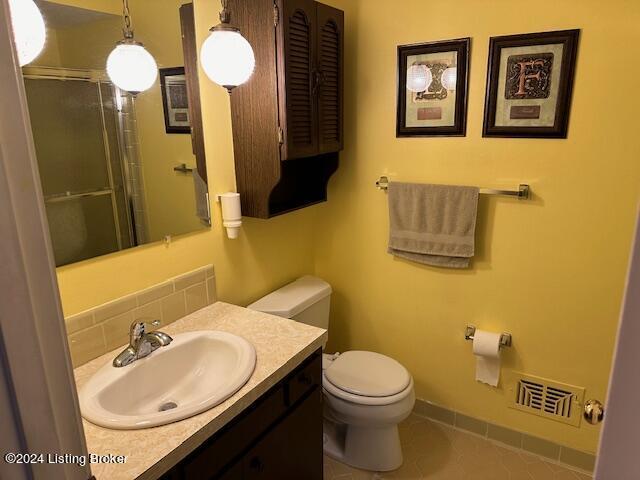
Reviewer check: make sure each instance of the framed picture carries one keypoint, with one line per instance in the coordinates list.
(175, 100)
(432, 88)
(529, 83)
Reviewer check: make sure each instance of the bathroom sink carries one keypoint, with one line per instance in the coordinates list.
(194, 373)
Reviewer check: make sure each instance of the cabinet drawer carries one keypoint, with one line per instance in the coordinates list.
(304, 379)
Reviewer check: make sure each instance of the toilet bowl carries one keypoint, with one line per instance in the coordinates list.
(366, 394)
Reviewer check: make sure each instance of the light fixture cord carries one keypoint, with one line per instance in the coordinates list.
(128, 32)
(225, 16)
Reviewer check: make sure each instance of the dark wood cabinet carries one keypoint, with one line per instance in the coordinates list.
(298, 84)
(278, 456)
(288, 118)
(311, 39)
(190, 54)
(279, 437)
(330, 23)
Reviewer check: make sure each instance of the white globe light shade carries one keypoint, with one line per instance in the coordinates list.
(419, 78)
(227, 58)
(449, 78)
(131, 68)
(29, 30)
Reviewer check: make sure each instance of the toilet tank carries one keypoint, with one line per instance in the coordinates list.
(304, 300)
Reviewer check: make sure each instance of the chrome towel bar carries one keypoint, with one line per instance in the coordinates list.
(523, 191)
(505, 338)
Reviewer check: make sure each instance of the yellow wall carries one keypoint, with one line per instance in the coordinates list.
(550, 270)
(267, 254)
(51, 53)
(169, 194)
(88, 45)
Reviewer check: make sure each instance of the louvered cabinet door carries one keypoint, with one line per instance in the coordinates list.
(330, 61)
(300, 88)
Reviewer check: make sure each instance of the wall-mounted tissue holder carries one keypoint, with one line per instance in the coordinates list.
(505, 338)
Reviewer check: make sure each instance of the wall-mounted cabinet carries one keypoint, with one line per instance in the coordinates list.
(288, 118)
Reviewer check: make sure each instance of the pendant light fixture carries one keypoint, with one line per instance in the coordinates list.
(129, 66)
(28, 29)
(226, 56)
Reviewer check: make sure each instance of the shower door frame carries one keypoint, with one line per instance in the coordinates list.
(100, 79)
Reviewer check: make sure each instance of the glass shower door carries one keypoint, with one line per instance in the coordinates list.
(76, 173)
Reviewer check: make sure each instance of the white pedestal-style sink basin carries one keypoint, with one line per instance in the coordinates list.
(194, 373)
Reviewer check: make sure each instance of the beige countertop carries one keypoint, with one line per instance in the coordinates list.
(280, 345)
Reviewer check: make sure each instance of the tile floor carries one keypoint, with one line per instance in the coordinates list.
(433, 451)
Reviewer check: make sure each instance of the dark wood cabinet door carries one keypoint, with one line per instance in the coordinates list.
(330, 43)
(293, 450)
(190, 53)
(233, 473)
(301, 78)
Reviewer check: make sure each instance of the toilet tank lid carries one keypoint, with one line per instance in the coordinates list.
(294, 297)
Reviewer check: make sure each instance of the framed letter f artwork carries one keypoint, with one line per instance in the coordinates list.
(529, 83)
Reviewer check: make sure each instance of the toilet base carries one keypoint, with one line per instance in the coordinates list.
(376, 449)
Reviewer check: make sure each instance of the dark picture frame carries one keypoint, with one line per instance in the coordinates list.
(175, 101)
(458, 128)
(525, 104)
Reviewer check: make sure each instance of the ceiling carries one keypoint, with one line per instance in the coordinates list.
(57, 15)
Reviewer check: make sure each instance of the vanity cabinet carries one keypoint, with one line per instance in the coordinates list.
(288, 118)
(279, 437)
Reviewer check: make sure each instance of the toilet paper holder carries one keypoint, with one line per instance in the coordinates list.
(505, 338)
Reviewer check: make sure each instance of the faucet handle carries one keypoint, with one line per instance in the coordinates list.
(141, 324)
(136, 332)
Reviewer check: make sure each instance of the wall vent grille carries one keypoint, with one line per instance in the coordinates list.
(546, 398)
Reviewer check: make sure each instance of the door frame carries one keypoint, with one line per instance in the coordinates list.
(620, 436)
(36, 376)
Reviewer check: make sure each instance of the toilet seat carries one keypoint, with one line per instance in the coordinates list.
(362, 400)
(367, 378)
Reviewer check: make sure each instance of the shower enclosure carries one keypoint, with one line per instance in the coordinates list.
(87, 150)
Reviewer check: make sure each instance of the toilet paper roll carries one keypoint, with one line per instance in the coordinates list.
(486, 348)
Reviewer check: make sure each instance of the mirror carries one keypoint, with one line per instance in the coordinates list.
(117, 170)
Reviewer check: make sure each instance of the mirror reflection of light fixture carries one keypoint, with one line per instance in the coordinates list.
(226, 56)
(449, 78)
(419, 78)
(28, 29)
(129, 66)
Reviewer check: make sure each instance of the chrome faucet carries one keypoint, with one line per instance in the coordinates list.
(141, 343)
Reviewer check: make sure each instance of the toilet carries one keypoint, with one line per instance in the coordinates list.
(366, 394)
